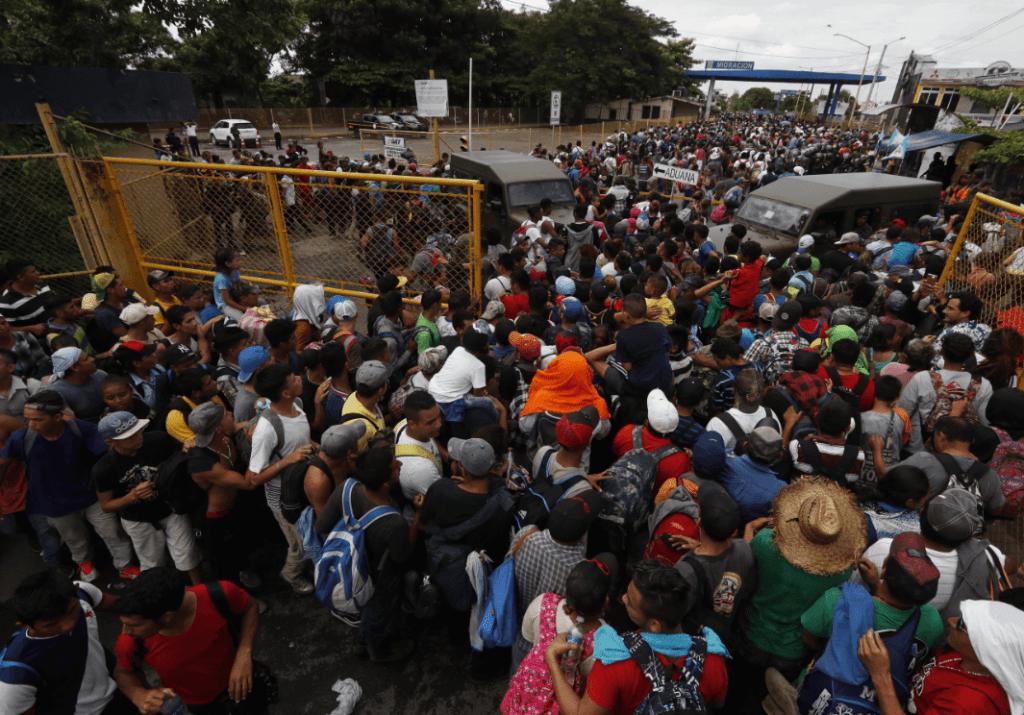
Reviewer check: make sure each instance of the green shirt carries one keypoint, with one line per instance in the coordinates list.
(428, 338)
(818, 618)
(784, 592)
(815, 264)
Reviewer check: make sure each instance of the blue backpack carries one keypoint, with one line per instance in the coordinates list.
(342, 575)
(838, 683)
(499, 624)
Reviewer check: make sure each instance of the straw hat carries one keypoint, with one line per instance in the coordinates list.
(818, 527)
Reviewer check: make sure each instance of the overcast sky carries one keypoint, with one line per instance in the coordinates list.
(796, 34)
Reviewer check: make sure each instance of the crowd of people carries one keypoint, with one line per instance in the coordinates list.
(639, 473)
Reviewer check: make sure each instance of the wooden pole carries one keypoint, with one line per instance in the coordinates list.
(434, 131)
(309, 111)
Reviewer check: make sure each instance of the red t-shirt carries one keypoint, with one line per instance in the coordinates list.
(942, 687)
(669, 467)
(867, 398)
(745, 285)
(515, 304)
(621, 687)
(197, 664)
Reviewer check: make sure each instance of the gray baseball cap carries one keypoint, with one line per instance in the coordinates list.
(475, 455)
(955, 515)
(765, 444)
(203, 420)
(372, 373)
(339, 439)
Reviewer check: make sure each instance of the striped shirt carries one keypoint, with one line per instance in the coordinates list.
(831, 449)
(22, 310)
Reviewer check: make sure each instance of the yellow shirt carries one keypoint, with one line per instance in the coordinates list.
(374, 421)
(161, 317)
(177, 425)
(668, 311)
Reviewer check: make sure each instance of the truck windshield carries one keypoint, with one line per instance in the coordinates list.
(530, 193)
(780, 217)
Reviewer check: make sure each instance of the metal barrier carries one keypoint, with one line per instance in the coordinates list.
(39, 220)
(296, 226)
(992, 233)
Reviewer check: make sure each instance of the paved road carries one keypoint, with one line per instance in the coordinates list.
(309, 650)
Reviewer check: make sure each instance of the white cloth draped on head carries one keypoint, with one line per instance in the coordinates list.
(996, 631)
(309, 305)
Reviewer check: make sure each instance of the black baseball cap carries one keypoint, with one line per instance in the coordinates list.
(178, 353)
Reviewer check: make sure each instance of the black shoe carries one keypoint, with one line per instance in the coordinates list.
(346, 618)
(399, 650)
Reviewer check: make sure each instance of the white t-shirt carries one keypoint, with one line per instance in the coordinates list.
(445, 327)
(418, 473)
(190, 130)
(461, 374)
(497, 286)
(1018, 261)
(609, 269)
(266, 451)
(746, 421)
(289, 190)
(945, 562)
(97, 687)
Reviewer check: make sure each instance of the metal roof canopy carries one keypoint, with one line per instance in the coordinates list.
(834, 80)
(787, 76)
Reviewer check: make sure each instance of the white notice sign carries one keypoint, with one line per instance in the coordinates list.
(674, 173)
(393, 147)
(556, 107)
(432, 97)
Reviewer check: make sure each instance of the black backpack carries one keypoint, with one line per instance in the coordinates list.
(175, 485)
(541, 496)
(293, 486)
(679, 697)
(737, 431)
(836, 474)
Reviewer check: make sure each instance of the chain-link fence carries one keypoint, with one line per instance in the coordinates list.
(39, 221)
(292, 226)
(988, 259)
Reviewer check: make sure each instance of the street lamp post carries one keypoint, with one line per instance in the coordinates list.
(878, 69)
(853, 110)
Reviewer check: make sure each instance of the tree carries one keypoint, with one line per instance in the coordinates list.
(678, 59)
(1007, 149)
(755, 98)
(79, 33)
(613, 50)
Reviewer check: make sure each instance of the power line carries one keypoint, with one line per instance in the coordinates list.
(991, 39)
(976, 33)
(764, 42)
(768, 54)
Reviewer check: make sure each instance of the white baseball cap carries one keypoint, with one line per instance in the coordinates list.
(661, 413)
(806, 243)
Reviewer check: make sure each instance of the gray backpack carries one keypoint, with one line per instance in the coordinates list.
(628, 492)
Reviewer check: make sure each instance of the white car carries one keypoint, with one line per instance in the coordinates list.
(220, 133)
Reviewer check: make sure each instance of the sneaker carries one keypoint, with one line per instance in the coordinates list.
(130, 572)
(302, 585)
(399, 650)
(86, 572)
(347, 618)
(250, 579)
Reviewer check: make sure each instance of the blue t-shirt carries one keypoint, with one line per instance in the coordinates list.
(902, 254)
(762, 297)
(687, 432)
(646, 345)
(222, 282)
(753, 486)
(723, 388)
(333, 404)
(209, 313)
(703, 251)
(57, 472)
(64, 674)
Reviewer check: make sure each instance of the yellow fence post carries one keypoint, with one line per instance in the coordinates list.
(280, 230)
(959, 240)
(125, 229)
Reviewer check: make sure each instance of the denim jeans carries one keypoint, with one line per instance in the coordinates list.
(49, 539)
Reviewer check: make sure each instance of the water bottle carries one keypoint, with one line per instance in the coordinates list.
(571, 659)
(173, 706)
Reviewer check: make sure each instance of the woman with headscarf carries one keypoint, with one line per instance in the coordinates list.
(308, 314)
(835, 334)
(981, 672)
(566, 385)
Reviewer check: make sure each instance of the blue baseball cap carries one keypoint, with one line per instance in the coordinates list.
(250, 360)
(120, 425)
(572, 308)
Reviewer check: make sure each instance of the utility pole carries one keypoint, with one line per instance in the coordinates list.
(433, 130)
(878, 69)
(863, 72)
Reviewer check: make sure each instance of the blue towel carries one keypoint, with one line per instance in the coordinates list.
(453, 411)
(854, 615)
(609, 648)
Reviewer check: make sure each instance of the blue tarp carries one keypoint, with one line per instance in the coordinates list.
(927, 140)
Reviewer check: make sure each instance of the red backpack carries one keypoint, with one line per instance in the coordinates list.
(1008, 463)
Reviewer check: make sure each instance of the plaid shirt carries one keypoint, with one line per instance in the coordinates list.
(542, 565)
(774, 353)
